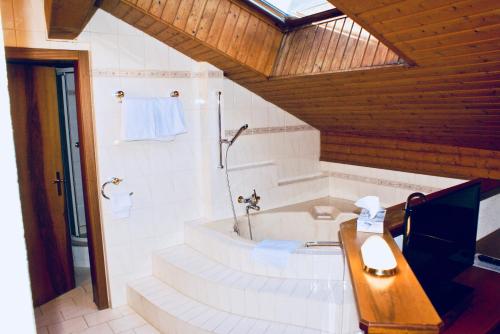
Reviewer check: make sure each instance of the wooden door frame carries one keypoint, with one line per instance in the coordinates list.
(80, 61)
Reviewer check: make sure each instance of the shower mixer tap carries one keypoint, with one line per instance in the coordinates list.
(252, 201)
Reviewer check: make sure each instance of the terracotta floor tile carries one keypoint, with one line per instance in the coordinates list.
(102, 316)
(99, 329)
(146, 329)
(68, 326)
(51, 318)
(42, 330)
(128, 322)
(75, 312)
(78, 311)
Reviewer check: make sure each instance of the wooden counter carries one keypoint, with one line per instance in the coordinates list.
(396, 304)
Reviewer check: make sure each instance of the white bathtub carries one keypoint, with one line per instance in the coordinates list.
(294, 222)
(310, 271)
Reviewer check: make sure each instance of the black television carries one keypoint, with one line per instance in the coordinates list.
(440, 243)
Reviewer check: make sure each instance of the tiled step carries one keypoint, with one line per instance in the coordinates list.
(327, 263)
(309, 303)
(173, 313)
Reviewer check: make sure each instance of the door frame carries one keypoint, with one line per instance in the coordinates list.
(80, 61)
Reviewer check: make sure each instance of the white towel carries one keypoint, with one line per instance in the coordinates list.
(138, 120)
(169, 118)
(370, 203)
(121, 202)
(152, 119)
(275, 252)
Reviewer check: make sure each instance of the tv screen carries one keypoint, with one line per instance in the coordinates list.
(442, 240)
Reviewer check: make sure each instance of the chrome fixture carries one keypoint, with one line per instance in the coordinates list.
(407, 217)
(225, 141)
(323, 244)
(251, 202)
(114, 180)
(221, 166)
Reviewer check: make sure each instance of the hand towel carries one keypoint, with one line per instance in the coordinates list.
(138, 120)
(169, 118)
(275, 252)
(121, 202)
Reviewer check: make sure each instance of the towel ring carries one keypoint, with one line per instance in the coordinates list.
(116, 181)
(121, 94)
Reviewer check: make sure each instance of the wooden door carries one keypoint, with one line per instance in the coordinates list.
(37, 137)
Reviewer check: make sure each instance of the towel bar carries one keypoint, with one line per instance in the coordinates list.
(114, 180)
(121, 94)
(323, 244)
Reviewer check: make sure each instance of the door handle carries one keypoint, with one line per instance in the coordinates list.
(58, 181)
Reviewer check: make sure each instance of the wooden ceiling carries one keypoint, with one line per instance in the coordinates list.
(411, 85)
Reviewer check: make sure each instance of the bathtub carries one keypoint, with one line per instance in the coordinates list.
(293, 222)
(313, 276)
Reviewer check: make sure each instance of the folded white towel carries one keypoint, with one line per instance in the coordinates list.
(275, 252)
(121, 202)
(152, 119)
(138, 120)
(169, 118)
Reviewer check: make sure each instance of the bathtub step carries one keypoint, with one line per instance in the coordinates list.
(173, 313)
(309, 303)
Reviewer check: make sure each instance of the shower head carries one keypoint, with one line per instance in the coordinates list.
(243, 128)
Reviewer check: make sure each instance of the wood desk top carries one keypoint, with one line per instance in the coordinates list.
(396, 304)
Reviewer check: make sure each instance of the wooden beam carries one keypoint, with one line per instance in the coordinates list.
(67, 18)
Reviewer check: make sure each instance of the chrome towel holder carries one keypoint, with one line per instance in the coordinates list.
(114, 180)
(120, 95)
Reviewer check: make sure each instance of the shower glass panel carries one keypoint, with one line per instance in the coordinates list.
(74, 185)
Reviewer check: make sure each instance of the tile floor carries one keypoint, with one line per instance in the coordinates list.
(75, 312)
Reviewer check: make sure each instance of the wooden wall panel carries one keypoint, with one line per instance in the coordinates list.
(198, 28)
(442, 160)
(335, 45)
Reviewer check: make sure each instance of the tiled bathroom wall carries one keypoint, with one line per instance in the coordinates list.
(392, 187)
(178, 181)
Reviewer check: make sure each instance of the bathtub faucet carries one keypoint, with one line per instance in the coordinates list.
(252, 201)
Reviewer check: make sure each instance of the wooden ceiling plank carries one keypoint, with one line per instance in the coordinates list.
(207, 19)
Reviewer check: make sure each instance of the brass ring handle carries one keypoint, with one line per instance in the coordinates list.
(116, 181)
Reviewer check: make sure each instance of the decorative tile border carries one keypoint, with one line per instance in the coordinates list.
(157, 74)
(384, 182)
(272, 129)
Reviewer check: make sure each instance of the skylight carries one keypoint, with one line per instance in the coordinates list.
(294, 8)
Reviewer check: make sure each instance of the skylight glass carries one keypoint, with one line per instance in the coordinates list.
(297, 8)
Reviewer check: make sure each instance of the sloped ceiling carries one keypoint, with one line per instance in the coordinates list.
(410, 85)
